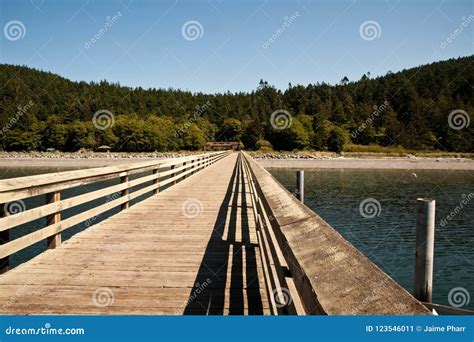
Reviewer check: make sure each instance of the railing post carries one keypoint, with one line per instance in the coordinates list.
(300, 185)
(156, 181)
(55, 240)
(4, 238)
(424, 255)
(173, 175)
(125, 205)
(184, 170)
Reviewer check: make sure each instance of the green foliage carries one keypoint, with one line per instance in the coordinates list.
(337, 139)
(295, 137)
(321, 135)
(194, 138)
(264, 145)
(418, 101)
(18, 140)
(231, 130)
(80, 135)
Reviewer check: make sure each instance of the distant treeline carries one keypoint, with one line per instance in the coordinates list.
(421, 108)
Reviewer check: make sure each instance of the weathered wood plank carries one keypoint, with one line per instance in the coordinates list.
(332, 277)
(154, 255)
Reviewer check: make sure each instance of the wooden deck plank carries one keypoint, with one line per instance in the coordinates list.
(154, 257)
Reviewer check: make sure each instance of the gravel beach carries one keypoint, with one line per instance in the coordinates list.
(273, 160)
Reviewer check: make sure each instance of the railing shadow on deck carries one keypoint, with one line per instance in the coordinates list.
(208, 297)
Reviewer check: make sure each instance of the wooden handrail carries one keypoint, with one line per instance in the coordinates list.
(23, 187)
(16, 189)
(448, 309)
(329, 275)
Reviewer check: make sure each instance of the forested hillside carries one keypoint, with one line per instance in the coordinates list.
(411, 108)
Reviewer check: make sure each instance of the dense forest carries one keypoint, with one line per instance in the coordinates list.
(409, 109)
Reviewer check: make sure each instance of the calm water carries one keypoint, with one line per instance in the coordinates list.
(389, 238)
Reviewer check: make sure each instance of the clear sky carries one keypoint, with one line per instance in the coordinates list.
(230, 48)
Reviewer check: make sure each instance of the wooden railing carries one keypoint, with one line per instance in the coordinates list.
(13, 211)
(310, 268)
(282, 293)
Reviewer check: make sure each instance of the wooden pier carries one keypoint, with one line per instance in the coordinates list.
(218, 235)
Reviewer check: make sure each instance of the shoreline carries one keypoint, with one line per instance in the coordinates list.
(373, 163)
(90, 161)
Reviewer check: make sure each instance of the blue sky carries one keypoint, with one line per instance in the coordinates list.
(145, 45)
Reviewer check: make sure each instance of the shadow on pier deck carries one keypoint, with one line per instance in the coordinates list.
(227, 238)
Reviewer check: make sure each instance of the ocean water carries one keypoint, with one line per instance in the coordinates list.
(383, 229)
(376, 211)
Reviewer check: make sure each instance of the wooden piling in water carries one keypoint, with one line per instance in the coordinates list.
(424, 255)
(300, 185)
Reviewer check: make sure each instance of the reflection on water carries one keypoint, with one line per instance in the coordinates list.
(387, 234)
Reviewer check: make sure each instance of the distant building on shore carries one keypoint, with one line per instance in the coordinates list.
(104, 148)
(222, 145)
